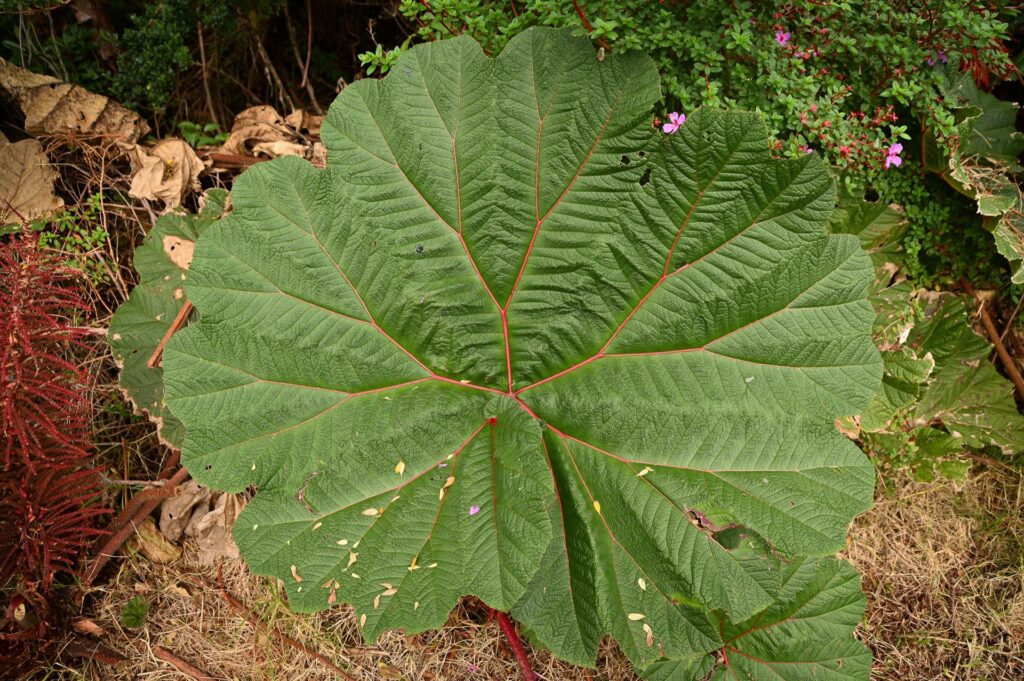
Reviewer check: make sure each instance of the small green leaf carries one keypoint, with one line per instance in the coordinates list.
(134, 612)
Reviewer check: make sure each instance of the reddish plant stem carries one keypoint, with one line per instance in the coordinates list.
(516, 645)
(993, 335)
(147, 500)
(181, 665)
(179, 321)
(583, 17)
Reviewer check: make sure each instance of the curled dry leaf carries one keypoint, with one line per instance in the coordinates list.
(84, 625)
(152, 544)
(255, 125)
(280, 148)
(176, 511)
(53, 107)
(304, 122)
(168, 172)
(212, 529)
(206, 517)
(26, 181)
(261, 131)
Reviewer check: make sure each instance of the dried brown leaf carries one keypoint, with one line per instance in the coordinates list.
(168, 172)
(53, 107)
(26, 181)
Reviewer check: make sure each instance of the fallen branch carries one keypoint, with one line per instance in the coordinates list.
(516, 645)
(181, 665)
(993, 335)
(145, 501)
(94, 650)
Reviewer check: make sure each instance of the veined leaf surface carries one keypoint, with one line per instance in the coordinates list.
(138, 326)
(515, 342)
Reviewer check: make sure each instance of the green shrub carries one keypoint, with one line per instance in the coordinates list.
(843, 78)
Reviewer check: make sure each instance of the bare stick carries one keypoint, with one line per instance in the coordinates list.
(298, 59)
(94, 650)
(272, 75)
(179, 321)
(206, 78)
(993, 335)
(181, 665)
(516, 645)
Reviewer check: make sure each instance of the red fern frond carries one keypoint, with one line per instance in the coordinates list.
(49, 489)
(46, 522)
(44, 411)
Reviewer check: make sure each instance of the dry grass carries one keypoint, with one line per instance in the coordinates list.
(198, 625)
(943, 573)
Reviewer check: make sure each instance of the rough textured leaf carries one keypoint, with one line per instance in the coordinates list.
(966, 394)
(905, 375)
(805, 634)
(140, 324)
(939, 392)
(514, 342)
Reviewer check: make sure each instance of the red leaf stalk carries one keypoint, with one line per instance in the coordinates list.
(516, 645)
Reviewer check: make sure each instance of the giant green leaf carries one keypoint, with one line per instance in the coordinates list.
(517, 343)
(138, 326)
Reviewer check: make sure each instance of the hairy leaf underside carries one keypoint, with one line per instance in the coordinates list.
(516, 343)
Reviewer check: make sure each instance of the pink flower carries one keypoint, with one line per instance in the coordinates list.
(473, 510)
(675, 120)
(892, 157)
(782, 37)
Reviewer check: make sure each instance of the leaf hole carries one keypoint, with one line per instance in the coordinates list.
(641, 153)
(624, 160)
(645, 178)
(419, 248)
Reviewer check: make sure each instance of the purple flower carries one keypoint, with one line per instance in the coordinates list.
(782, 37)
(892, 157)
(938, 56)
(472, 668)
(473, 510)
(675, 120)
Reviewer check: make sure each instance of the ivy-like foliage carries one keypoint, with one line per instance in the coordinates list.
(517, 343)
